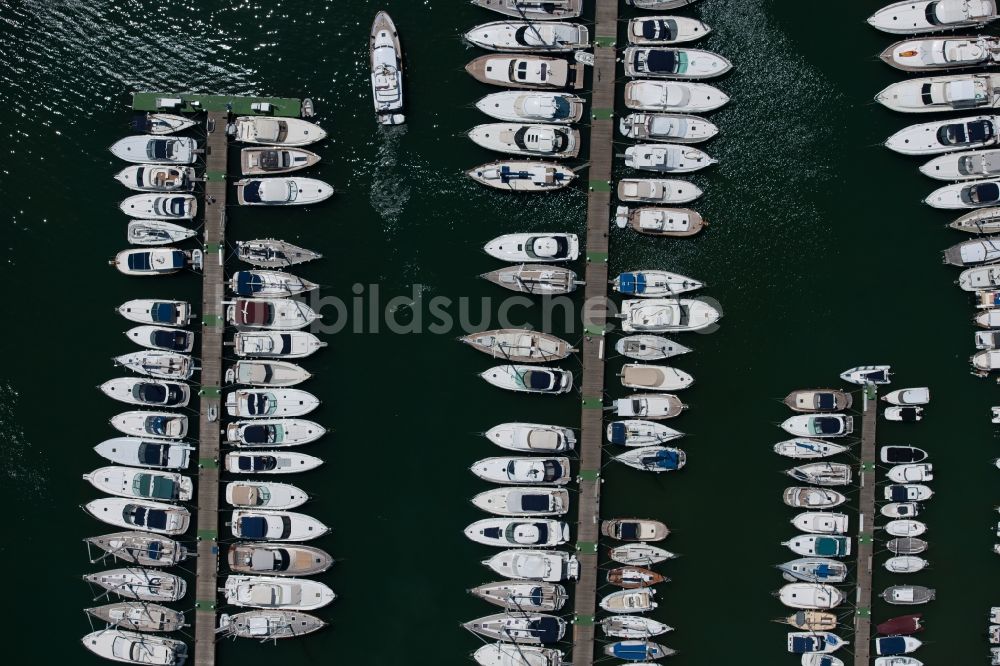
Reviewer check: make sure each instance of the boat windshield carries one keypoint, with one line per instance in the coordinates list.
(160, 149)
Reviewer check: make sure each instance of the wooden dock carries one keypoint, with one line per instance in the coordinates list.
(866, 527)
(595, 319)
(213, 324)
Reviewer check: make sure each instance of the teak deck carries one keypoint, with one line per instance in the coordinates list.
(862, 615)
(592, 424)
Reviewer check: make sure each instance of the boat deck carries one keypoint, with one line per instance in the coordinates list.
(213, 324)
(863, 603)
(596, 291)
(286, 107)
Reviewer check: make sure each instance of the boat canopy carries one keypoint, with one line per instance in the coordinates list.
(155, 486)
(163, 312)
(257, 463)
(534, 502)
(248, 283)
(153, 454)
(890, 645)
(660, 60)
(619, 433)
(263, 434)
(253, 313)
(826, 401)
(173, 340)
(632, 283)
(659, 29)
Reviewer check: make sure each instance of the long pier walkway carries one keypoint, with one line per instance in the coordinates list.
(213, 324)
(595, 318)
(866, 527)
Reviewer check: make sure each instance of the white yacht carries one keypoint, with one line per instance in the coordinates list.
(673, 96)
(674, 63)
(273, 403)
(512, 70)
(523, 470)
(266, 372)
(529, 378)
(142, 423)
(665, 191)
(282, 314)
(654, 284)
(386, 61)
(131, 513)
(668, 127)
(282, 191)
(661, 315)
(945, 136)
(534, 10)
(156, 363)
(546, 565)
(157, 312)
(975, 194)
(665, 30)
(810, 596)
(916, 16)
(276, 344)
(519, 532)
(264, 495)
(525, 106)
(528, 36)
(269, 284)
(275, 526)
(145, 149)
(147, 392)
(161, 206)
(639, 433)
(156, 232)
(522, 175)
(530, 247)
(649, 377)
(157, 178)
(971, 165)
(660, 221)
(162, 123)
(155, 453)
(272, 433)
(280, 593)
(144, 484)
(957, 92)
(516, 501)
(270, 462)
(532, 437)
(269, 131)
(941, 53)
(666, 158)
(653, 406)
(649, 347)
(551, 141)
(131, 647)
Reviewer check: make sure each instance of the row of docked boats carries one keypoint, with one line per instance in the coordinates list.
(823, 541)
(962, 151)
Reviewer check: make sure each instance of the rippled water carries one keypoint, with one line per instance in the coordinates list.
(817, 251)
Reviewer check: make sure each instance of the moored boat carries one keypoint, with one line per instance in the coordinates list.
(639, 433)
(633, 626)
(523, 470)
(269, 161)
(813, 498)
(144, 549)
(944, 136)
(264, 495)
(281, 191)
(159, 337)
(819, 425)
(907, 595)
(649, 347)
(642, 554)
(659, 62)
(385, 56)
(275, 344)
(156, 312)
(132, 513)
(660, 221)
(673, 96)
(822, 474)
(135, 648)
(269, 593)
(810, 596)
(809, 545)
(275, 526)
(511, 70)
(138, 616)
(156, 232)
(157, 363)
(666, 127)
(272, 253)
(653, 458)
(523, 596)
(157, 178)
(804, 448)
(532, 106)
(528, 37)
(146, 149)
(519, 345)
(532, 437)
(814, 570)
(639, 600)
(634, 529)
(268, 625)
(271, 131)
(913, 17)
(515, 501)
(141, 423)
(141, 484)
(664, 30)
(262, 403)
(529, 379)
(527, 629)
(270, 462)
(534, 279)
(818, 400)
(156, 261)
(140, 584)
(260, 372)
(160, 206)
(653, 406)
(545, 565)
(661, 315)
(154, 453)
(935, 53)
(533, 10)
(161, 123)
(278, 559)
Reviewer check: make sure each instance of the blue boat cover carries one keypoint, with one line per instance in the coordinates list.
(617, 433)
(659, 60)
(632, 283)
(823, 571)
(157, 425)
(980, 130)
(898, 493)
(162, 312)
(152, 454)
(172, 340)
(251, 191)
(139, 261)
(890, 645)
(629, 531)
(803, 644)
(546, 629)
(534, 502)
(829, 546)
(253, 527)
(156, 519)
(827, 401)
(665, 459)
(539, 380)
(631, 650)
(153, 552)
(248, 284)
(259, 434)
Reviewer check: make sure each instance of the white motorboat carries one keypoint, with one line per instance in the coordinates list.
(156, 363)
(259, 372)
(269, 284)
(819, 425)
(534, 279)
(155, 453)
(654, 284)
(157, 178)
(810, 596)
(145, 149)
(657, 190)
(666, 158)
(162, 123)
(814, 570)
(286, 191)
(156, 232)
(945, 136)
(987, 319)
(276, 526)
(916, 16)
(270, 462)
(806, 448)
(546, 565)
(822, 473)
(666, 127)
(532, 437)
(639, 600)
(674, 63)
(270, 403)
(867, 374)
(821, 522)
(649, 347)
(522, 596)
(633, 626)
(276, 344)
(139, 583)
(673, 96)
(522, 175)
(269, 131)
(519, 345)
(907, 595)
(131, 513)
(819, 545)
(807, 497)
(277, 559)
(273, 592)
(905, 564)
(264, 495)
(283, 314)
(551, 141)
(975, 279)
(523, 470)
(985, 250)
(533, 10)
(659, 221)
(515, 501)
(656, 5)
(529, 379)
(934, 94)
(636, 433)
(385, 57)
(937, 53)
(141, 423)
(905, 528)
(506, 654)
(164, 339)
(511, 70)
(911, 473)
(524, 106)
(653, 406)
(161, 206)
(981, 221)
(642, 554)
(660, 315)
(269, 161)
(909, 396)
(527, 36)
(518, 532)
(272, 433)
(647, 377)
(141, 484)
(906, 414)
(150, 393)
(634, 529)
(156, 261)
(902, 510)
(665, 30)
(975, 194)
(271, 253)
(521, 629)
(533, 247)
(896, 455)
(653, 458)
(907, 492)
(975, 164)
(157, 313)
(132, 647)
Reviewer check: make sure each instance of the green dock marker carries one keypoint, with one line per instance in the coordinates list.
(591, 329)
(211, 320)
(584, 620)
(605, 41)
(599, 185)
(588, 547)
(210, 391)
(863, 612)
(867, 466)
(590, 402)
(597, 257)
(208, 463)
(602, 113)
(203, 605)
(590, 474)
(212, 247)
(215, 175)
(288, 107)
(865, 538)
(208, 535)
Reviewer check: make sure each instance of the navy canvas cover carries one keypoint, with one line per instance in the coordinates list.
(826, 401)
(251, 191)
(534, 502)
(659, 60)
(618, 432)
(253, 527)
(891, 645)
(162, 312)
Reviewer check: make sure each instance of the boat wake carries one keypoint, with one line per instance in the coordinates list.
(390, 190)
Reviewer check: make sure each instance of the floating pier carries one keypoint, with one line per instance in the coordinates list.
(866, 528)
(595, 318)
(286, 107)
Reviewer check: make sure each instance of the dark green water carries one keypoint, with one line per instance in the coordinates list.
(819, 252)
